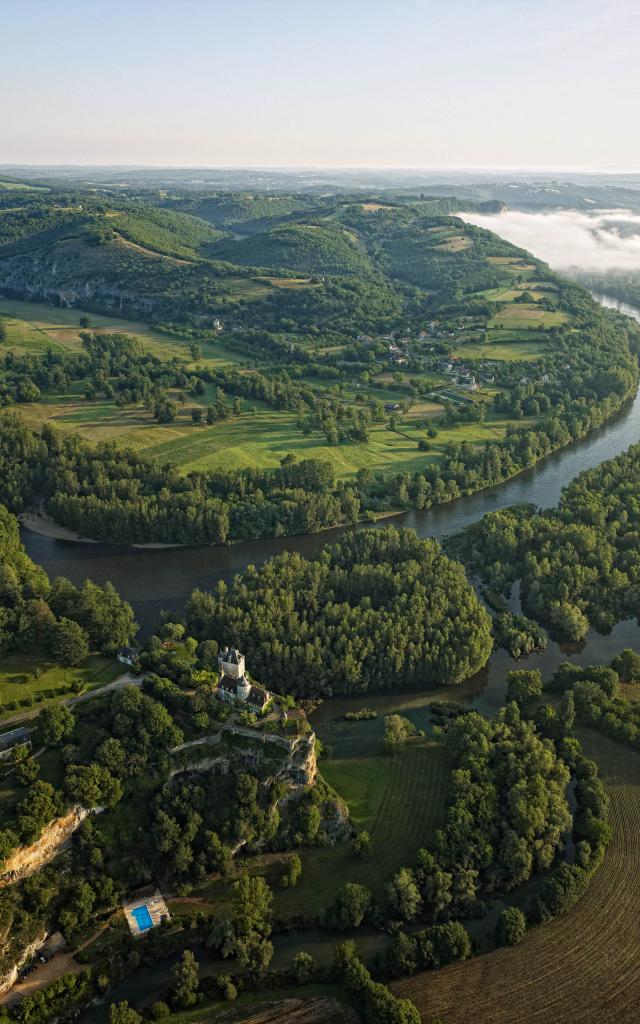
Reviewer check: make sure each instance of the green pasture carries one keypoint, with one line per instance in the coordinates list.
(30, 679)
(503, 350)
(34, 326)
(398, 799)
(519, 315)
(259, 437)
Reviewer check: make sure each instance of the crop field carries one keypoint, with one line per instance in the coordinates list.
(517, 316)
(399, 800)
(312, 1004)
(538, 290)
(512, 264)
(261, 436)
(34, 327)
(454, 243)
(582, 967)
(503, 350)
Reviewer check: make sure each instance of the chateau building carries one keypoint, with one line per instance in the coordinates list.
(234, 687)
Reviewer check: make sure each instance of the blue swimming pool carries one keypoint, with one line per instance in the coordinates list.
(142, 917)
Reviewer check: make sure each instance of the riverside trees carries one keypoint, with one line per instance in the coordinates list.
(64, 618)
(380, 608)
(578, 564)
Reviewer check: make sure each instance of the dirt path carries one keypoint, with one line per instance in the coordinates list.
(63, 963)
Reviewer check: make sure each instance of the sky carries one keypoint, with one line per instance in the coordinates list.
(336, 83)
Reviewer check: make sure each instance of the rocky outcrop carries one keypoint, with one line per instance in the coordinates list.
(272, 757)
(26, 860)
(9, 978)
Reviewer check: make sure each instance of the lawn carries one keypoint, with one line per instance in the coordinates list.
(585, 966)
(32, 679)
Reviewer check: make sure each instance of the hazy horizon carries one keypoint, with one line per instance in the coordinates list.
(482, 84)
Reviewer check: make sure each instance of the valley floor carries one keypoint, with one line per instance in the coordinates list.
(584, 966)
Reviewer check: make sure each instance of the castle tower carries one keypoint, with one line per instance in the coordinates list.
(231, 663)
(243, 688)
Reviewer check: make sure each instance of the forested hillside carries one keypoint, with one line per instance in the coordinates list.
(340, 358)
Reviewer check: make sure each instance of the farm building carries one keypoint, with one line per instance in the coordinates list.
(127, 655)
(10, 740)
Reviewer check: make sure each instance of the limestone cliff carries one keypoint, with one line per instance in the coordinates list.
(272, 757)
(9, 978)
(26, 860)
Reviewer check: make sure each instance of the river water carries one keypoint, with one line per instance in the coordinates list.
(154, 580)
(163, 579)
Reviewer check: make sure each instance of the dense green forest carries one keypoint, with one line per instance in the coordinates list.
(63, 619)
(578, 565)
(380, 608)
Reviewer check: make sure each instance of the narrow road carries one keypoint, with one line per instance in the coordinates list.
(126, 679)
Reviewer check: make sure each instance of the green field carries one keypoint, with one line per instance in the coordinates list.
(584, 966)
(257, 438)
(499, 348)
(261, 436)
(526, 315)
(391, 797)
(31, 680)
(35, 327)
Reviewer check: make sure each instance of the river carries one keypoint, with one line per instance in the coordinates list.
(155, 580)
(141, 576)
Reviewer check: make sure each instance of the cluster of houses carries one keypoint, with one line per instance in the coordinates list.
(462, 375)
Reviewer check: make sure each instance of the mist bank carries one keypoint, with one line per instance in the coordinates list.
(573, 242)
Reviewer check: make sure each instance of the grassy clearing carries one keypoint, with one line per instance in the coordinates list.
(311, 1004)
(454, 243)
(27, 676)
(18, 186)
(582, 967)
(530, 351)
(399, 800)
(536, 290)
(520, 315)
(33, 326)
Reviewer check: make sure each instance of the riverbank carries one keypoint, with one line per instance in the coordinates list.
(45, 526)
(39, 523)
